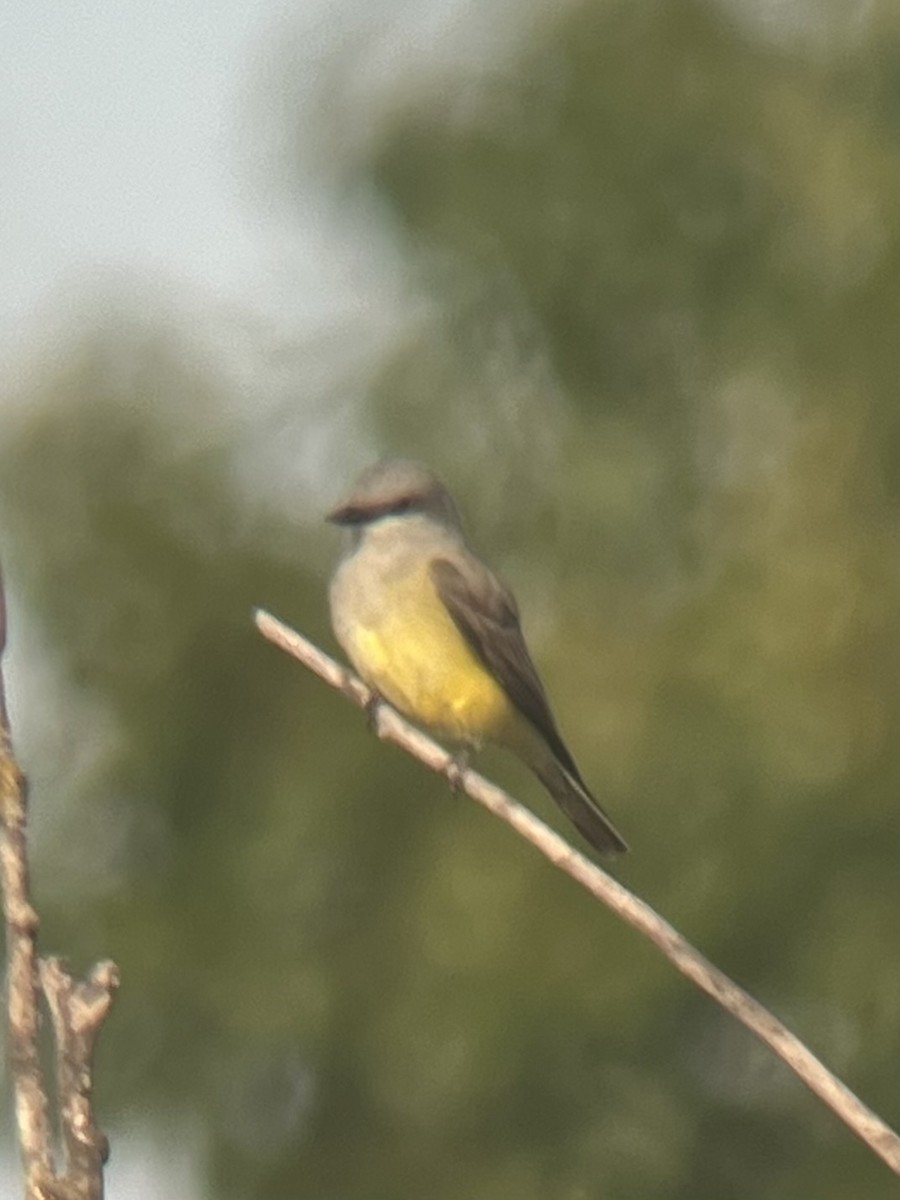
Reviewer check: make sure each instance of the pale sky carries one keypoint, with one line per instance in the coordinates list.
(122, 128)
(117, 129)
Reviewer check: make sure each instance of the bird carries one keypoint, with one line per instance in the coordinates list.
(433, 631)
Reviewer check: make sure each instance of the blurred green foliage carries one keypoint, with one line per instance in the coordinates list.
(659, 368)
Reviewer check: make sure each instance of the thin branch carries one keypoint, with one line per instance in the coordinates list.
(31, 1106)
(78, 1010)
(877, 1135)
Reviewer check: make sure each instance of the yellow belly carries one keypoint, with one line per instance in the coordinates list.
(419, 661)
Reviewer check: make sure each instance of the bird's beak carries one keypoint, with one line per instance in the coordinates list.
(345, 514)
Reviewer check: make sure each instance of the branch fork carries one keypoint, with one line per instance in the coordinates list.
(78, 1010)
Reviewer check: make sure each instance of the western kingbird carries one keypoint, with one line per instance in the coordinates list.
(431, 629)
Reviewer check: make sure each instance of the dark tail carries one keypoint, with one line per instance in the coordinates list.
(580, 807)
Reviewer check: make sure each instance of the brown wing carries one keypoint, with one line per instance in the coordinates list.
(485, 613)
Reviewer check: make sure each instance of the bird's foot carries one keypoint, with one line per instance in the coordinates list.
(370, 708)
(456, 769)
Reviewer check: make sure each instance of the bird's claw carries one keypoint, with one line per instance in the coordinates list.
(370, 708)
(456, 770)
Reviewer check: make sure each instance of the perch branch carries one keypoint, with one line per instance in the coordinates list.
(869, 1127)
(78, 1010)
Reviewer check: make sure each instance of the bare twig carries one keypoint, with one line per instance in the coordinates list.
(78, 1011)
(877, 1135)
(32, 1108)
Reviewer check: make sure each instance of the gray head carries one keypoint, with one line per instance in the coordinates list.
(395, 488)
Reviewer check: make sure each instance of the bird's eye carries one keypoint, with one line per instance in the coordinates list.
(402, 505)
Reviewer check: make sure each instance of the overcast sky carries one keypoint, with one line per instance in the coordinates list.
(117, 129)
(121, 127)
